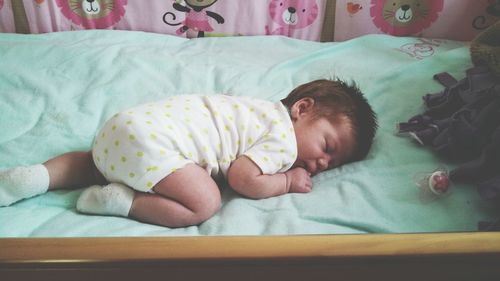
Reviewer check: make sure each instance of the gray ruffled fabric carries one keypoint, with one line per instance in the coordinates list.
(462, 122)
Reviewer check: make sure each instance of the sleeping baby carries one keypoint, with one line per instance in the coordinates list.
(160, 162)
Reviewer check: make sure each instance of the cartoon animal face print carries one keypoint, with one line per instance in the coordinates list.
(91, 8)
(200, 3)
(293, 13)
(93, 13)
(404, 12)
(404, 17)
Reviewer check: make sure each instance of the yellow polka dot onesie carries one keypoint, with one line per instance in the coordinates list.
(142, 145)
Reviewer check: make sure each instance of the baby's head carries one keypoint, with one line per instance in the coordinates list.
(349, 132)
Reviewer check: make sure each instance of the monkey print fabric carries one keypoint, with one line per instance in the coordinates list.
(142, 145)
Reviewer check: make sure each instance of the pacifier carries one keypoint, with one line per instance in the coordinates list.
(439, 182)
(434, 184)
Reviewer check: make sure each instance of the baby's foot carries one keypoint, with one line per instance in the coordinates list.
(22, 182)
(113, 199)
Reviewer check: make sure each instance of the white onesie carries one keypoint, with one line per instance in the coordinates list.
(142, 145)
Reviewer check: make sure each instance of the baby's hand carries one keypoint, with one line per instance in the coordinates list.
(299, 180)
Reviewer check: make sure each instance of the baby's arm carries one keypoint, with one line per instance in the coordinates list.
(246, 178)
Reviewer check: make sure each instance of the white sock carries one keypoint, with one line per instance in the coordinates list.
(23, 182)
(113, 199)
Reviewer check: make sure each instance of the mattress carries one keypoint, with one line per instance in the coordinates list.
(57, 89)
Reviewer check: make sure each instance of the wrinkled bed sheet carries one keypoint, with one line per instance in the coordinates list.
(57, 89)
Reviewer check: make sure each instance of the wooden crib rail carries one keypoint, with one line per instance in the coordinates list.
(439, 256)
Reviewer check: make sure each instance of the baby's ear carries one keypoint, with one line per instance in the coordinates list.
(302, 106)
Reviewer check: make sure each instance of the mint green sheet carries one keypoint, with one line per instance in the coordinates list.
(57, 89)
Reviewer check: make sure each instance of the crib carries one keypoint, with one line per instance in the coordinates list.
(71, 70)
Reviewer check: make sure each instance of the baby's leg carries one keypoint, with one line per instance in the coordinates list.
(73, 170)
(187, 197)
(70, 170)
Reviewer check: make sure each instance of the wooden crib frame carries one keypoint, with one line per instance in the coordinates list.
(432, 256)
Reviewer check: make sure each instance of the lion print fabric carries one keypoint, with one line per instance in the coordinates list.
(436, 19)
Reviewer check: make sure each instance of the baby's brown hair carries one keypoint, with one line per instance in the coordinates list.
(336, 99)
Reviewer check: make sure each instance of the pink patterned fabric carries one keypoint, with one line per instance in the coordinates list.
(404, 19)
(447, 19)
(302, 19)
(198, 21)
(93, 14)
(240, 17)
(291, 15)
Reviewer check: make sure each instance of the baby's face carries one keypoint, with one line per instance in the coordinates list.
(322, 145)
